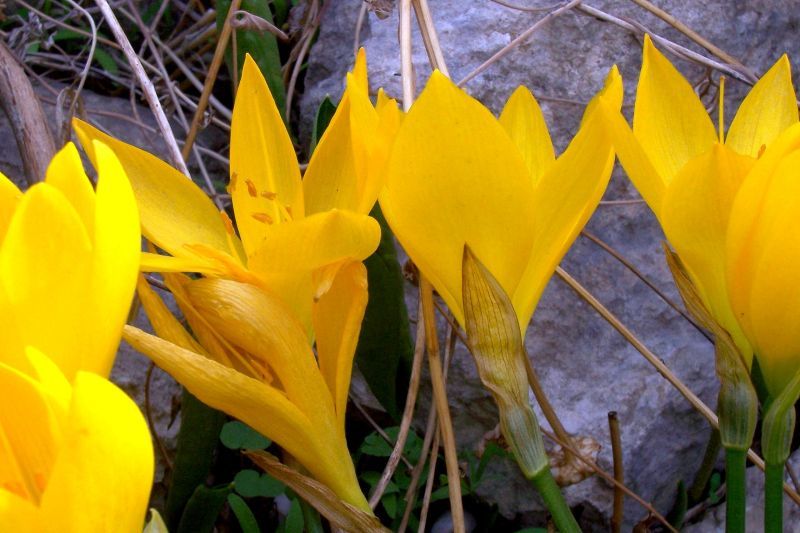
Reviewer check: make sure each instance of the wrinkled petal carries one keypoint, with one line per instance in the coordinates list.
(669, 120)
(265, 177)
(769, 108)
(66, 174)
(337, 322)
(524, 122)
(46, 265)
(565, 198)
(9, 198)
(455, 177)
(260, 406)
(695, 217)
(173, 210)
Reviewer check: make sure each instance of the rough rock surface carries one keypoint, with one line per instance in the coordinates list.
(586, 367)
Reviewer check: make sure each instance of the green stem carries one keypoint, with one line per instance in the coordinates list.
(700, 482)
(311, 518)
(773, 498)
(735, 462)
(554, 501)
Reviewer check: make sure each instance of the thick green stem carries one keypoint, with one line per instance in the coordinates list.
(735, 512)
(555, 503)
(773, 498)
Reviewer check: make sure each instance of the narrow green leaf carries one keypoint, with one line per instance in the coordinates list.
(294, 520)
(106, 60)
(679, 508)
(197, 443)
(324, 115)
(203, 509)
(262, 46)
(247, 521)
(385, 349)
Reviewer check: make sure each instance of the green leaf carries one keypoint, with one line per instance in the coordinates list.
(106, 60)
(262, 46)
(250, 484)
(281, 11)
(197, 444)
(385, 350)
(67, 35)
(203, 509)
(294, 520)
(324, 115)
(247, 521)
(678, 511)
(389, 502)
(238, 436)
(376, 446)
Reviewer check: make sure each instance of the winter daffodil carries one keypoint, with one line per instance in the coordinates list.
(295, 233)
(689, 174)
(69, 257)
(457, 175)
(75, 452)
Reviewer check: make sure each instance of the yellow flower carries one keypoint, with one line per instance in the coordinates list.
(73, 457)
(456, 176)
(763, 259)
(260, 368)
(68, 264)
(289, 228)
(688, 176)
(75, 452)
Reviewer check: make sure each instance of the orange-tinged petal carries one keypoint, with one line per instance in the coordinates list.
(262, 407)
(102, 478)
(565, 197)
(695, 215)
(262, 325)
(9, 198)
(524, 122)
(173, 210)
(669, 120)
(337, 323)
(455, 177)
(116, 252)
(66, 174)
(30, 436)
(46, 267)
(265, 177)
(769, 108)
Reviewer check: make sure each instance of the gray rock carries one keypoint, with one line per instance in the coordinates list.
(585, 366)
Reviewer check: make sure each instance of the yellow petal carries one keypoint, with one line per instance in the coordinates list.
(763, 258)
(337, 323)
(745, 231)
(455, 177)
(47, 373)
(360, 70)
(66, 174)
(331, 179)
(102, 478)
(46, 266)
(669, 120)
(260, 406)
(564, 198)
(524, 122)
(173, 210)
(30, 436)
(116, 253)
(265, 177)
(9, 198)
(163, 321)
(389, 120)
(189, 262)
(695, 216)
(316, 241)
(770, 108)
